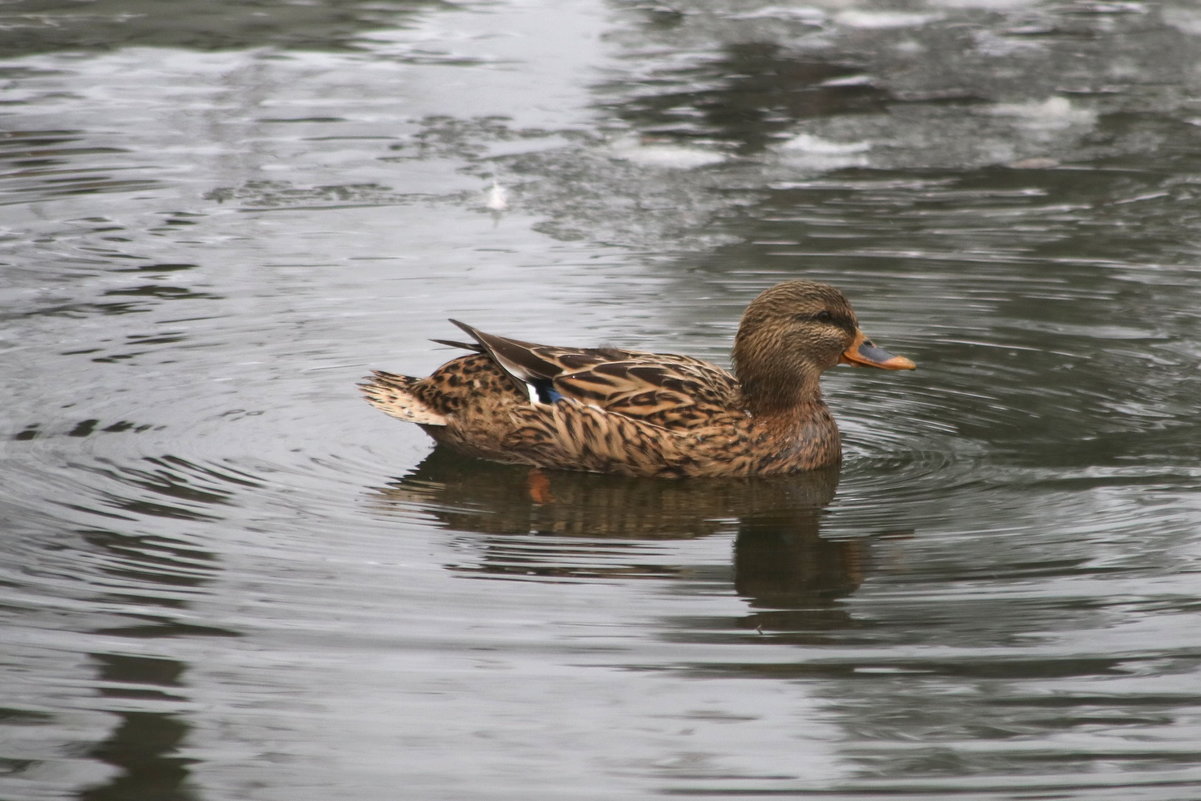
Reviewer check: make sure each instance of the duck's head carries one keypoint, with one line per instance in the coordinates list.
(790, 334)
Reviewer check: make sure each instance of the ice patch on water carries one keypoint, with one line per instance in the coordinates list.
(1185, 20)
(987, 5)
(854, 18)
(826, 154)
(1054, 113)
(806, 14)
(991, 44)
(815, 144)
(663, 154)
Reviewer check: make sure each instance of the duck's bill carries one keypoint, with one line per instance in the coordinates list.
(862, 353)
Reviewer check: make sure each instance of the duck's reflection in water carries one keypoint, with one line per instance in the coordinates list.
(555, 525)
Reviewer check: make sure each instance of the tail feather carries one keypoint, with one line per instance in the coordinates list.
(472, 346)
(519, 359)
(393, 394)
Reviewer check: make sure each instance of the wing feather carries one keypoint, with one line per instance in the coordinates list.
(660, 388)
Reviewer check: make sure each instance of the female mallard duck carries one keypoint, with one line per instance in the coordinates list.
(649, 414)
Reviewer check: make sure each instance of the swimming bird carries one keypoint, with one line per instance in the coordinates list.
(633, 413)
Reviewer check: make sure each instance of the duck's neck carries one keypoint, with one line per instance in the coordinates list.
(785, 400)
(799, 434)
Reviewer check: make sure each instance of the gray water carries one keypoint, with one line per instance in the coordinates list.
(224, 576)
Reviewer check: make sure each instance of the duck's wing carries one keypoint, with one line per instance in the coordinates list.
(664, 389)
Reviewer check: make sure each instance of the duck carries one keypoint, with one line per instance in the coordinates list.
(642, 414)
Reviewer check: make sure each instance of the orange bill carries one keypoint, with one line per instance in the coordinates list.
(863, 353)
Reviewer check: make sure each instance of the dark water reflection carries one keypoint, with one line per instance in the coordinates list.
(109, 24)
(226, 577)
(143, 772)
(749, 96)
(779, 555)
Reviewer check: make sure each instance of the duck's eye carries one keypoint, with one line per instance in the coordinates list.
(822, 316)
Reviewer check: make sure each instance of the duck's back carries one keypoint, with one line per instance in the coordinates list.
(663, 389)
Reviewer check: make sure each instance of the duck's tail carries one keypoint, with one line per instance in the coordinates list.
(393, 394)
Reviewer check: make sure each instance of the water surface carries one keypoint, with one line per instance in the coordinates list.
(227, 577)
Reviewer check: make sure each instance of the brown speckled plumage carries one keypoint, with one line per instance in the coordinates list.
(648, 414)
